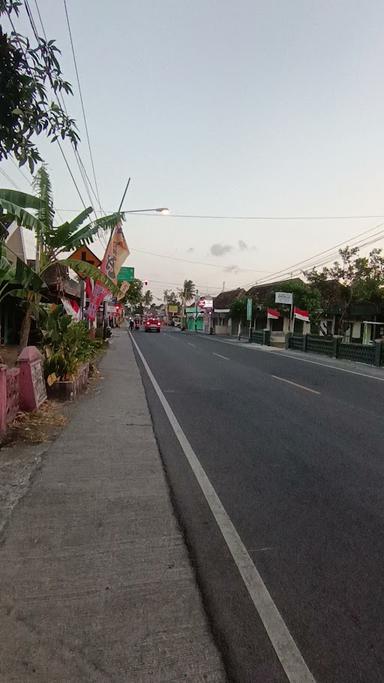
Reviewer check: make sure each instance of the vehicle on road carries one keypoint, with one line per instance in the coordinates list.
(152, 325)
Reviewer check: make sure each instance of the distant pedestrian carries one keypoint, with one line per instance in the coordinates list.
(131, 325)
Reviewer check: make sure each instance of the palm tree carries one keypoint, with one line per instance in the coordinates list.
(187, 294)
(52, 241)
(188, 291)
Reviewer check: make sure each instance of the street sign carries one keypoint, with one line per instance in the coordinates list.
(126, 274)
(284, 298)
(249, 310)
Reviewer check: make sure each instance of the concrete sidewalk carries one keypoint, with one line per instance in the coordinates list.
(95, 579)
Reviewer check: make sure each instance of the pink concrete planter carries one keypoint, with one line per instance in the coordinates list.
(68, 390)
(33, 391)
(9, 396)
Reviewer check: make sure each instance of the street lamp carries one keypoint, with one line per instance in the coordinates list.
(163, 211)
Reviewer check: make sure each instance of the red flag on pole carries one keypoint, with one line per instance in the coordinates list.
(273, 314)
(299, 314)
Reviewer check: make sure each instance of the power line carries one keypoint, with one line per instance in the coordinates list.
(7, 177)
(253, 218)
(199, 263)
(21, 47)
(289, 274)
(13, 162)
(290, 269)
(180, 284)
(60, 100)
(267, 218)
(82, 101)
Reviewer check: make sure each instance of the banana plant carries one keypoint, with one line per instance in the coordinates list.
(36, 213)
(18, 280)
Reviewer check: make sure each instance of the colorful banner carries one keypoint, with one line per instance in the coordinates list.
(114, 257)
(123, 290)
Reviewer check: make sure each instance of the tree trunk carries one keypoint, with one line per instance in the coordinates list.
(25, 327)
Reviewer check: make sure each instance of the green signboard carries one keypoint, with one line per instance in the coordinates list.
(126, 274)
(249, 310)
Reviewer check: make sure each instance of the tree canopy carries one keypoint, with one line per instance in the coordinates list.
(30, 78)
(188, 291)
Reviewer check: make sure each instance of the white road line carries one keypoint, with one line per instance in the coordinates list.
(279, 354)
(194, 345)
(299, 386)
(284, 645)
(220, 356)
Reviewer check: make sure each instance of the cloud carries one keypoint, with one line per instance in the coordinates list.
(232, 269)
(243, 246)
(220, 249)
(190, 250)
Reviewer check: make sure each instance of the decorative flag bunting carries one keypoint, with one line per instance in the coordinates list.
(273, 314)
(301, 315)
(72, 308)
(114, 257)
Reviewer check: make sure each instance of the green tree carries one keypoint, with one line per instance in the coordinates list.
(170, 297)
(134, 295)
(52, 241)
(352, 278)
(238, 310)
(147, 298)
(28, 75)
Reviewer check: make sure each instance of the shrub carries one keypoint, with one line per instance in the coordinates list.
(66, 344)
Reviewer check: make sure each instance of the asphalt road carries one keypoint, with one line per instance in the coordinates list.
(295, 452)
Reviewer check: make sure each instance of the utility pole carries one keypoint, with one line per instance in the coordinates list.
(196, 300)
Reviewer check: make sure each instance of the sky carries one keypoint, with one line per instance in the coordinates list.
(263, 108)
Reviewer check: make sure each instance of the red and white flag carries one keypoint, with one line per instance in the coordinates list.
(89, 286)
(273, 314)
(299, 314)
(72, 308)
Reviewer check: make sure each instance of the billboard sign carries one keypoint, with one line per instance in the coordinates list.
(284, 298)
(126, 274)
(205, 303)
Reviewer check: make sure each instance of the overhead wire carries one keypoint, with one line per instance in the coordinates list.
(329, 255)
(80, 164)
(13, 162)
(32, 76)
(268, 218)
(7, 177)
(61, 103)
(199, 263)
(82, 102)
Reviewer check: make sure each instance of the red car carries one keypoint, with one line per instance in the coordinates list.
(152, 325)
